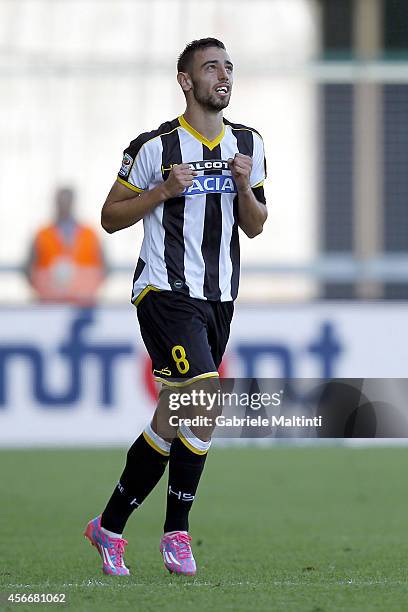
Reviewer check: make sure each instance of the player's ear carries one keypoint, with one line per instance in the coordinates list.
(184, 81)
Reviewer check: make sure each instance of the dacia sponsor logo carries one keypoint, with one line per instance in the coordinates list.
(211, 184)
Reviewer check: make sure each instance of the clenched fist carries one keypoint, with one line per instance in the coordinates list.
(180, 177)
(241, 167)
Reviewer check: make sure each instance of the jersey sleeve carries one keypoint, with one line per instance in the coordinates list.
(258, 173)
(137, 165)
(259, 194)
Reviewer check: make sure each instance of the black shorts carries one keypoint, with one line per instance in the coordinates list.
(185, 337)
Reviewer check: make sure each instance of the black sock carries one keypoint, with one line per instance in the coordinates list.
(144, 468)
(185, 468)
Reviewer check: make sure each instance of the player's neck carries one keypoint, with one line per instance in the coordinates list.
(207, 124)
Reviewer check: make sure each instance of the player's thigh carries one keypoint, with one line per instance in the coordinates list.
(162, 422)
(204, 407)
(198, 404)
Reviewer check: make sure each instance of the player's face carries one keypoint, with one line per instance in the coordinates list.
(211, 78)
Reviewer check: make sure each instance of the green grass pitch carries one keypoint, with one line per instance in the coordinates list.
(302, 529)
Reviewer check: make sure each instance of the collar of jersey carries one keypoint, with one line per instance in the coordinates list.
(210, 144)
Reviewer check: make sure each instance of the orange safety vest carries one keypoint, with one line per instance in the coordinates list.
(67, 272)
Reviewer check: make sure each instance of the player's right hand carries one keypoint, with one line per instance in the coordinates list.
(180, 177)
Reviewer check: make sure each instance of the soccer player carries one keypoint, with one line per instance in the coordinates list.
(193, 181)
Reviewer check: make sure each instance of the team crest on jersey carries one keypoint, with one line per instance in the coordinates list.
(216, 183)
(126, 165)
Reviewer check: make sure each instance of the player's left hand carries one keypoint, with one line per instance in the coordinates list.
(241, 167)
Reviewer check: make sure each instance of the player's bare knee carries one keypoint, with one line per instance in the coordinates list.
(161, 422)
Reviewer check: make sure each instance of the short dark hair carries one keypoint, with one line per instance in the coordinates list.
(185, 59)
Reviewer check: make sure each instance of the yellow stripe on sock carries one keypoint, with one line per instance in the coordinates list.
(154, 445)
(190, 446)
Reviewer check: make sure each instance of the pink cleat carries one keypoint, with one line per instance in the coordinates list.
(177, 554)
(110, 549)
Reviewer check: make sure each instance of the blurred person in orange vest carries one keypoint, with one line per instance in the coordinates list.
(66, 262)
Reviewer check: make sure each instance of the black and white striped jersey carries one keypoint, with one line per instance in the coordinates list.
(191, 242)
